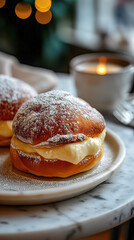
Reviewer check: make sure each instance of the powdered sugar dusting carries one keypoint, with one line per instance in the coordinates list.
(53, 113)
(14, 180)
(35, 159)
(60, 139)
(13, 93)
(12, 89)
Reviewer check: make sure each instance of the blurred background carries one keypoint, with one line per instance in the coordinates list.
(76, 27)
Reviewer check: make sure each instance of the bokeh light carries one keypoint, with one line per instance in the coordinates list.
(2, 3)
(43, 17)
(23, 10)
(43, 5)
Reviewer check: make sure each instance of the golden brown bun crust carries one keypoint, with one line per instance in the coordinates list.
(39, 166)
(5, 142)
(56, 117)
(13, 93)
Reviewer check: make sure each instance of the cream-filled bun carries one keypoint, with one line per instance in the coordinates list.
(57, 135)
(13, 93)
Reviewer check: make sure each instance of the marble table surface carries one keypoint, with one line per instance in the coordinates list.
(108, 205)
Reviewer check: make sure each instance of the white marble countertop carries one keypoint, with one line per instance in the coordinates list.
(108, 205)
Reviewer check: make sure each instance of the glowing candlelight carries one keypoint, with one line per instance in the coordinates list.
(101, 67)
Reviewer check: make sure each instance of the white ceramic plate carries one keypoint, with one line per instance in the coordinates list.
(21, 188)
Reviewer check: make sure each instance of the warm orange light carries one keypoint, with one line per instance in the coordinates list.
(101, 69)
(2, 3)
(43, 5)
(43, 18)
(23, 10)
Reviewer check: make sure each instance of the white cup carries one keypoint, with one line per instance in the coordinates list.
(103, 92)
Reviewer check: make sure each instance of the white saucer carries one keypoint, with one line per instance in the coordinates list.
(18, 188)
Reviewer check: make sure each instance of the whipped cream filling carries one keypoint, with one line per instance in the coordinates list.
(6, 129)
(71, 152)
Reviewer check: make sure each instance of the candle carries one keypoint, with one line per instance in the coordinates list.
(102, 80)
(98, 67)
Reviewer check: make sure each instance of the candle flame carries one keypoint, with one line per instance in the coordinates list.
(101, 68)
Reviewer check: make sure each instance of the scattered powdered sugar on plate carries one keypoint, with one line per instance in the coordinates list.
(17, 188)
(13, 180)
